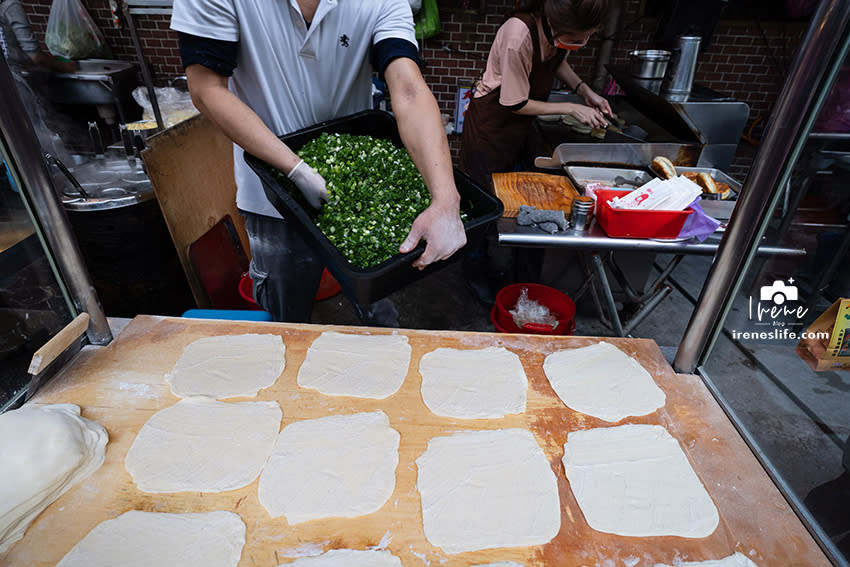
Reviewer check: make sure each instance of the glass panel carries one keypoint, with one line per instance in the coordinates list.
(788, 320)
(32, 305)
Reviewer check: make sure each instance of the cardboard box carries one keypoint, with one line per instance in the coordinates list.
(824, 354)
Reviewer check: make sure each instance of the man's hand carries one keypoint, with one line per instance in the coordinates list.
(310, 183)
(442, 230)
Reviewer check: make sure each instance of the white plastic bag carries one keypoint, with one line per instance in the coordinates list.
(174, 105)
(71, 33)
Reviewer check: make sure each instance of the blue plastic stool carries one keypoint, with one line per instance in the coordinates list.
(228, 314)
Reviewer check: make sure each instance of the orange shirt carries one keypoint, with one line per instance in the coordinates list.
(509, 62)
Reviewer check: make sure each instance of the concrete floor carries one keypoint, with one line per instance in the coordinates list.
(798, 420)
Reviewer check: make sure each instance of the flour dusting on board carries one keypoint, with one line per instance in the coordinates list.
(140, 390)
(421, 556)
(385, 541)
(305, 550)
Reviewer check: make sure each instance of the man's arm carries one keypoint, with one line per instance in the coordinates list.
(236, 119)
(423, 135)
(242, 125)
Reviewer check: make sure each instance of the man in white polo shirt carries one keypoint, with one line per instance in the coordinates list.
(292, 64)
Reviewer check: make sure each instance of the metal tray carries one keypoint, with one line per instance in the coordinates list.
(367, 285)
(616, 178)
(719, 177)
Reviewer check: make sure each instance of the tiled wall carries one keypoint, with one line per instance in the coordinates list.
(745, 59)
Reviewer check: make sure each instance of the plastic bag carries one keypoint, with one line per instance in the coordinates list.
(530, 311)
(71, 33)
(427, 20)
(174, 105)
(698, 225)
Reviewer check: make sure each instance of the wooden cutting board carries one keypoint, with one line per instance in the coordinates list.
(122, 385)
(541, 190)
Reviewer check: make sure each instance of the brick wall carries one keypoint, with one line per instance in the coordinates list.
(745, 59)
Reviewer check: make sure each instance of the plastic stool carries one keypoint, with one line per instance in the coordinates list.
(228, 314)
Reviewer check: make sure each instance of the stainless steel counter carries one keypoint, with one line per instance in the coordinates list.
(595, 239)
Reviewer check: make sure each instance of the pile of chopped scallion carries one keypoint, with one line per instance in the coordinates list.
(375, 193)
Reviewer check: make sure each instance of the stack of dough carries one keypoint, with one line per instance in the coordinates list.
(45, 451)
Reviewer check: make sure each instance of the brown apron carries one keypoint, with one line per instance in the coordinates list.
(494, 135)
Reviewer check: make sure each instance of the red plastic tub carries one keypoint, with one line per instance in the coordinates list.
(328, 287)
(558, 303)
(629, 223)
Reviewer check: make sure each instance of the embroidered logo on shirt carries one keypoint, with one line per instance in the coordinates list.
(344, 40)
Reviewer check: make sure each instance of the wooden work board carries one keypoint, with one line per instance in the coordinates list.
(122, 385)
(541, 190)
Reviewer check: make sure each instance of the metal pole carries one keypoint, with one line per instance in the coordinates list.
(146, 72)
(606, 48)
(27, 163)
(783, 140)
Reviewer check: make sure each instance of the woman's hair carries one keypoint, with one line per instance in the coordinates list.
(567, 16)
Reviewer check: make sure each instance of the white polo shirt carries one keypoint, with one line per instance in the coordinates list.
(293, 76)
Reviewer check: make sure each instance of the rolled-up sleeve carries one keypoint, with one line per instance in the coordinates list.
(395, 21)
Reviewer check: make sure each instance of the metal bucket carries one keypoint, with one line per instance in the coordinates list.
(649, 63)
(677, 84)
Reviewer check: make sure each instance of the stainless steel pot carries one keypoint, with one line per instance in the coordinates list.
(649, 63)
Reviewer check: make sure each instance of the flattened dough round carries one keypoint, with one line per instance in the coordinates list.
(473, 384)
(362, 366)
(634, 480)
(602, 381)
(203, 445)
(349, 558)
(145, 539)
(45, 451)
(228, 366)
(335, 466)
(487, 489)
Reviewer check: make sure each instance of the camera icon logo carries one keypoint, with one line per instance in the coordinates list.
(778, 292)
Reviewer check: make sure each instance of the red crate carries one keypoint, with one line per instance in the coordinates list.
(631, 223)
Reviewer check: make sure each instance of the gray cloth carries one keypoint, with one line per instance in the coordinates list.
(546, 220)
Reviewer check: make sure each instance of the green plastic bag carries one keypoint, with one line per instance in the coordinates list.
(427, 20)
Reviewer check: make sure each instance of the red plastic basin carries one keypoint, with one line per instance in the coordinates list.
(328, 287)
(558, 303)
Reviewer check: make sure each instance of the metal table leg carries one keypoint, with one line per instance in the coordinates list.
(599, 268)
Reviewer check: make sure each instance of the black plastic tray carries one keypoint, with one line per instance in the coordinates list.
(367, 285)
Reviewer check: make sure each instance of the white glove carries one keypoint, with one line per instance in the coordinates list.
(310, 183)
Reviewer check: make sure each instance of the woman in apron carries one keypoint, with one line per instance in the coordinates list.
(529, 52)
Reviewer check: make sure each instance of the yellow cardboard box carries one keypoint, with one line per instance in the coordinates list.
(833, 354)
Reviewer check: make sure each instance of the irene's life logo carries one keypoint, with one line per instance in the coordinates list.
(774, 305)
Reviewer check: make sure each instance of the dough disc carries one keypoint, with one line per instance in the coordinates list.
(487, 489)
(203, 445)
(228, 366)
(335, 466)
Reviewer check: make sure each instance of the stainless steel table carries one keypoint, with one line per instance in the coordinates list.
(598, 248)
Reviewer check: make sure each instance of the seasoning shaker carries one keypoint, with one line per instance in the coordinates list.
(581, 213)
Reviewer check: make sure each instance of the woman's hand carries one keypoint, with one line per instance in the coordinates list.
(588, 115)
(596, 101)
